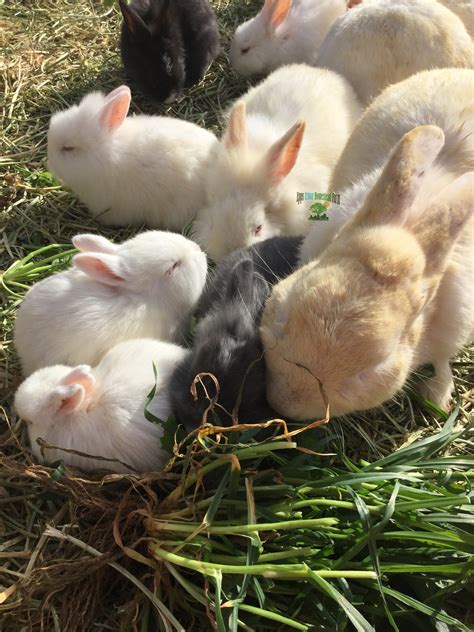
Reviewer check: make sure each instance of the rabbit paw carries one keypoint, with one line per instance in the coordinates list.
(439, 388)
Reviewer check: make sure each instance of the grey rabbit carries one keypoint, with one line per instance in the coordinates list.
(227, 340)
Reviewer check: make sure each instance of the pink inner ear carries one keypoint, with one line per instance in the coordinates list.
(72, 398)
(284, 154)
(280, 11)
(115, 110)
(100, 267)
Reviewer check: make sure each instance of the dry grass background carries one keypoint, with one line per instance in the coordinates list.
(54, 51)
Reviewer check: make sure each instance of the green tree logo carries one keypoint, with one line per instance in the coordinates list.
(318, 212)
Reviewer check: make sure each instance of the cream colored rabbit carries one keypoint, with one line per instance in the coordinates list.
(442, 97)
(436, 97)
(381, 42)
(464, 9)
(392, 291)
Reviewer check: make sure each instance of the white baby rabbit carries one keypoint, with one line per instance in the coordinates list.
(145, 287)
(380, 42)
(284, 32)
(135, 170)
(283, 137)
(391, 292)
(437, 97)
(100, 411)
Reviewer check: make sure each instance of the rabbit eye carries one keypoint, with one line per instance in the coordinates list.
(257, 230)
(245, 50)
(173, 267)
(67, 148)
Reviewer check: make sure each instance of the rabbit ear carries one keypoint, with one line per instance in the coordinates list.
(280, 10)
(442, 222)
(353, 3)
(80, 375)
(393, 195)
(133, 22)
(101, 267)
(66, 398)
(236, 132)
(94, 243)
(267, 9)
(159, 13)
(282, 155)
(116, 91)
(115, 109)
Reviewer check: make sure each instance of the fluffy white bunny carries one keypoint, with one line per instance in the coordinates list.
(284, 137)
(145, 287)
(436, 97)
(135, 170)
(283, 32)
(381, 42)
(100, 411)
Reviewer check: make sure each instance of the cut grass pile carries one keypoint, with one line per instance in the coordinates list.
(266, 537)
(74, 551)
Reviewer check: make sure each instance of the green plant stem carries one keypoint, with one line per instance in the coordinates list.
(283, 571)
(159, 526)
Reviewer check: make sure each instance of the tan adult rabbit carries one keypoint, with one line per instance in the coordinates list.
(391, 292)
(381, 42)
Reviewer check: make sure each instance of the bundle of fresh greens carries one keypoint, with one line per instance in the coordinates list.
(266, 536)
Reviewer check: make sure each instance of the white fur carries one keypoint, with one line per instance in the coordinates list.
(381, 42)
(437, 97)
(296, 40)
(100, 411)
(112, 293)
(240, 191)
(321, 233)
(146, 169)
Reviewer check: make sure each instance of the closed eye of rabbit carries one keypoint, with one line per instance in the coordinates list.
(174, 266)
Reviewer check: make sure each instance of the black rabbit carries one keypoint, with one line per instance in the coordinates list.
(167, 45)
(227, 341)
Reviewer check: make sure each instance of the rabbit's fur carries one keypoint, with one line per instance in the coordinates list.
(382, 42)
(167, 45)
(283, 32)
(284, 136)
(100, 411)
(464, 9)
(227, 341)
(145, 287)
(391, 292)
(435, 97)
(130, 170)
